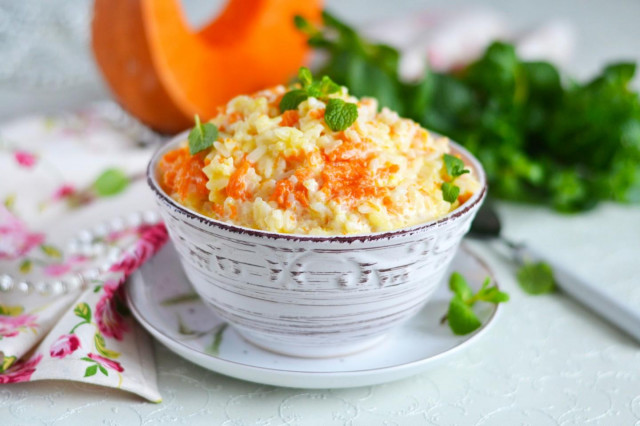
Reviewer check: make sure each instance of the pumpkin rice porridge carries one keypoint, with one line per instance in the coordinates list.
(290, 173)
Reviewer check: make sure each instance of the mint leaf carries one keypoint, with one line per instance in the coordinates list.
(491, 294)
(305, 77)
(536, 278)
(202, 136)
(462, 319)
(459, 286)
(328, 86)
(110, 182)
(323, 88)
(454, 166)
(339, 115)
(450, 192)
(495, 296)
(292, 99)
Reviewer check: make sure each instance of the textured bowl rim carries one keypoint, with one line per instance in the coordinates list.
(462, 210)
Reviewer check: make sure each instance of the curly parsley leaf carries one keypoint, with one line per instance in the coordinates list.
(339, 115)
(292, 99)
(461, 317)
(536, 278)
(202, 136)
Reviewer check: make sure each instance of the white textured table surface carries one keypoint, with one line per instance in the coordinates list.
(546, 362)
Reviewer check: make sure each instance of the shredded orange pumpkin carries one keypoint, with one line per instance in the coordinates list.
(182, 174)
(237, 187)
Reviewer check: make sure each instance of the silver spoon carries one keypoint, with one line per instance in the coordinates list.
(487, 225)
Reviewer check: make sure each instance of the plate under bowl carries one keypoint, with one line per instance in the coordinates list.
(163, 301)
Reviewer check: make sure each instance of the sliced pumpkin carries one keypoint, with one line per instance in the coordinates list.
(163, 72)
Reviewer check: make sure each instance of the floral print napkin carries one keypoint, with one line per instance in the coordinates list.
(62, 309)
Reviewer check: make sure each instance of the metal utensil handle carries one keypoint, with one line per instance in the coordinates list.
(592, 296)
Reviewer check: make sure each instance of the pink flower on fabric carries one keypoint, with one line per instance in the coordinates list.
(63, 192)
(152, 237)
(65, 345)
(106, 362)
(12, 326)
(15, 238)
(20, 371)
(110, 322)
(24, 158)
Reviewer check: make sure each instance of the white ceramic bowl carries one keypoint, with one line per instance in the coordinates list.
(313, 296)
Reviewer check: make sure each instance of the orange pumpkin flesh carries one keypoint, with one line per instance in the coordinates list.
(163, 72)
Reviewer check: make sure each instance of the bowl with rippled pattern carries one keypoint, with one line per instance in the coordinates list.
(314, 296)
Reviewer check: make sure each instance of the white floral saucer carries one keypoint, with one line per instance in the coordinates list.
(163, 301)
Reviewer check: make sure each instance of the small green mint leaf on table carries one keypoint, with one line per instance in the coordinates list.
(111, 182)
(292, 99)
(339, 115)
(459, 286)
(536, 278)
(491, 294)
(202, 136)
(462, 320)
